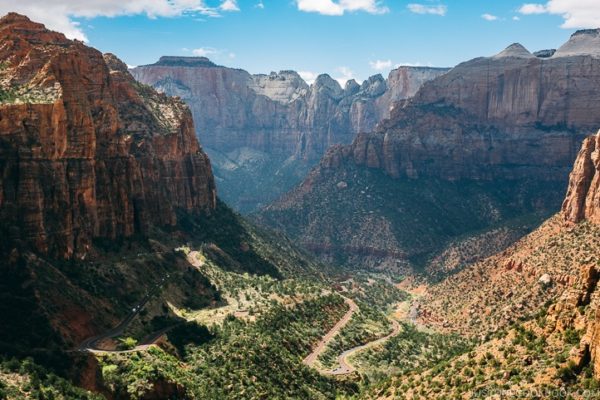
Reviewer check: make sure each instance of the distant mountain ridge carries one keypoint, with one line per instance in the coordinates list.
(286, 123)
(486, 133)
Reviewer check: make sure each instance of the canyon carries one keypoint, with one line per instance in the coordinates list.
(486, 132)
(264, 132)
(441, 227)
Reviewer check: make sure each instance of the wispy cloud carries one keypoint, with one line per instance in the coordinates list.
(260, 5)
(204, 51)
(576, 13)
(532, 9)
(380, 65)
(417, 8)
(210, 52)
(57, 14)
(489, 17)
(340, 7)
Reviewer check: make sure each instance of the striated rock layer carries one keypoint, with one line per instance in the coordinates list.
(583, 196)
(495, 124)
(263, 132)
(279, 113)
(85, 151)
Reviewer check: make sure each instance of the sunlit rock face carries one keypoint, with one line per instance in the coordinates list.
(263, 132)
(85, 151)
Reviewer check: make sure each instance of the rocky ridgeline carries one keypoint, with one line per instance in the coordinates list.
(499, 123)
(512, 115)
(279, 113)
(85, 151)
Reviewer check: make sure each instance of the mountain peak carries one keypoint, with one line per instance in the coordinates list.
(515, 50)
(13, 18)
(585, 42)
(181, 61)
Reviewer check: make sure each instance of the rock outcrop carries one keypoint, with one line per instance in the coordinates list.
(85, 151)
(512, 115)
(583, 196)
(263, 132)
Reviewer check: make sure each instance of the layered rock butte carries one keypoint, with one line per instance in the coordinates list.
(263, 132)
(512, 118)
(280, 113)
(85, 151)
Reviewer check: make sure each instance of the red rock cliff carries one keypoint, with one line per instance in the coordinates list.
(583, 197)
(85, 151)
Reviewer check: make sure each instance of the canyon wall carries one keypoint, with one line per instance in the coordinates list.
(263, 132)
(85, 151)
(487, 132)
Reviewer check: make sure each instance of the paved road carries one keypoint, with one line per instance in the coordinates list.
(312, 357)
(89, 345)
(346, 367)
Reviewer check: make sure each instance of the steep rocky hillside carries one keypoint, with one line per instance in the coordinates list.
(533, 308)
(87, 153)
(490, 128)
(263, 132)
(101, 180)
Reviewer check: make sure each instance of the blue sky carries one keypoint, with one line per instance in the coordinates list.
(362, 38)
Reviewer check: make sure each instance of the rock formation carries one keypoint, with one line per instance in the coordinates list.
(85, 151)
(510, 119)
(254, 126)
(583, 196)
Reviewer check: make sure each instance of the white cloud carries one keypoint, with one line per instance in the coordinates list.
(516, 18)
(380, 65)
(260, 5)
(204, 51)
(576, 13)
(339, 7)
(229, 5)
(346, 74)
(532, 9)
(427, 9)
(489, 17)
(308, 76)
(57, 14)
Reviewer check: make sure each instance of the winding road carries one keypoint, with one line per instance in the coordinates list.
(343, 359)
(312, 357)
(345, 366)
(90, 345)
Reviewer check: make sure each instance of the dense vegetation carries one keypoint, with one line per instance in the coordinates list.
(20, 380)
(245, 360)
(415, 217)
(374, 297)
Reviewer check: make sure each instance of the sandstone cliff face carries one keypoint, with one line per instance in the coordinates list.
(510, 120)
(512, 115)
(85, 151)
(263, 132)
(279, 113)
(582, 203)
(583, 196)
